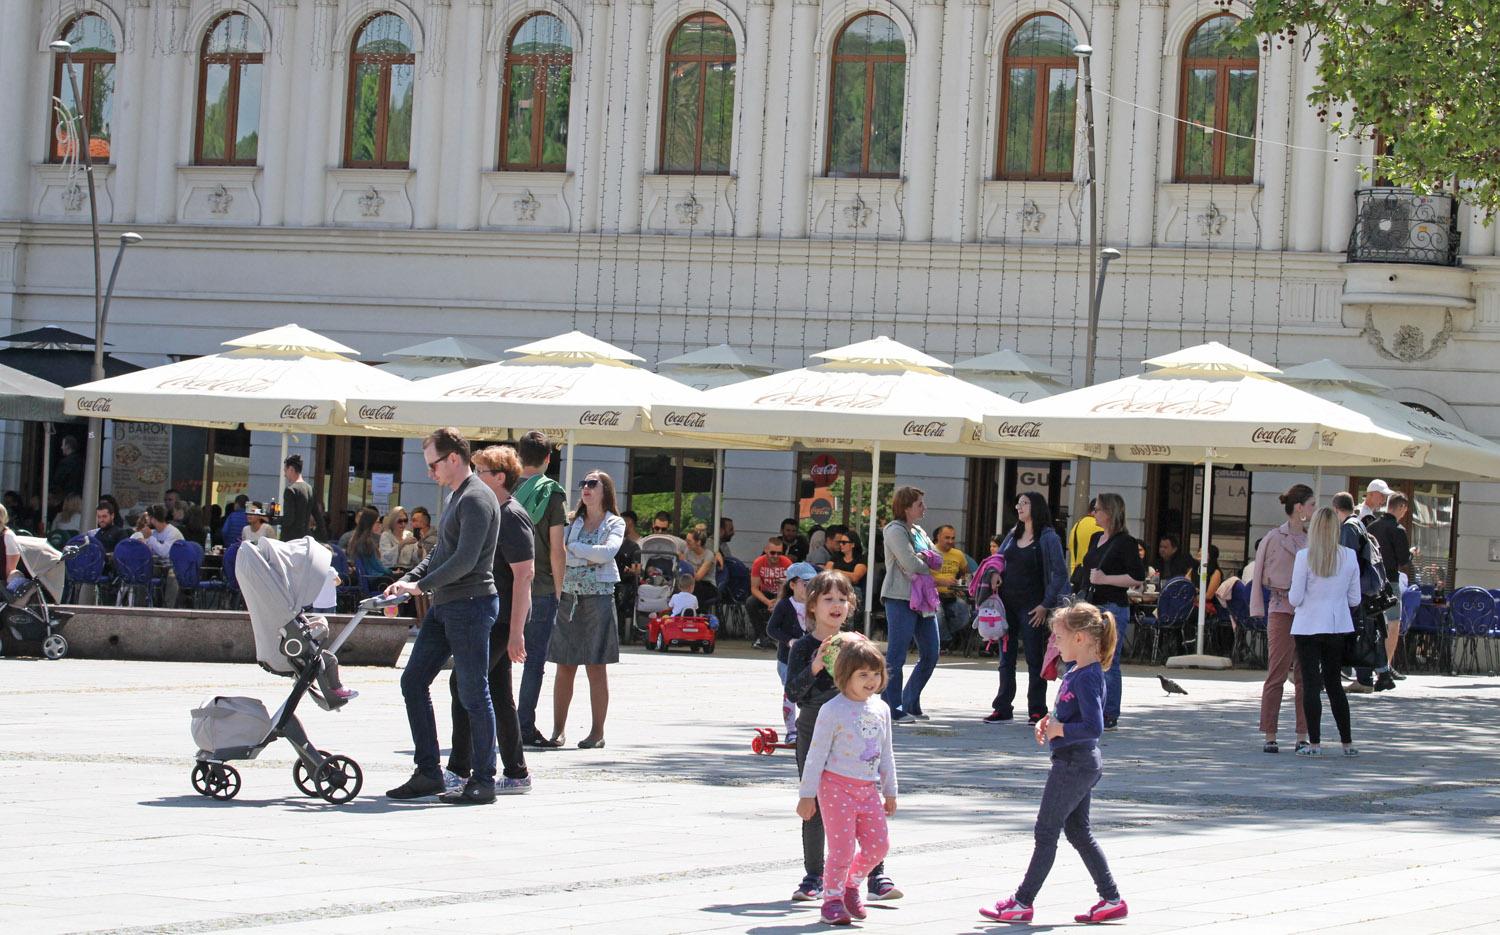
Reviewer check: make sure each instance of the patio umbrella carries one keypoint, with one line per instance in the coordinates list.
(877, 395)
(29, 398)
(1452, 453)
(1013, 375)
(572, 386)
(434, 358)
(57, 355)
(1205, 404)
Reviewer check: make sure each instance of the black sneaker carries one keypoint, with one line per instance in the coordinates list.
(419, 786)
(995, 717)
(1397, 676)
(1384, 681)
(810, 889)
(473, 793)
(1111, 723)
(881, 888)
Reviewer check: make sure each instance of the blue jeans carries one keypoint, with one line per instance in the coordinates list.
(1112, 681)
(902, 626)
(461, 629)
(1065, 810)
(538, 635)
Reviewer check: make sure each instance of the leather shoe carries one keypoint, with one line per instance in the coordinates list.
(420, 785)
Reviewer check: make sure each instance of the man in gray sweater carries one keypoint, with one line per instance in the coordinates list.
(459, 574)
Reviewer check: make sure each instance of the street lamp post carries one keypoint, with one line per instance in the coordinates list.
(1083, 471)
(93, 456)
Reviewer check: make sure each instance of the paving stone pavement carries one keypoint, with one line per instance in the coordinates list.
(676, 827)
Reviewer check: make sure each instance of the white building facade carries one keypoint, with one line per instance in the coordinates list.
(780, 175)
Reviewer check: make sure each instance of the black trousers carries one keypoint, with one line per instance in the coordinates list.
(814, 842)
(507, 724)
(1022, 636)
(1319, 658)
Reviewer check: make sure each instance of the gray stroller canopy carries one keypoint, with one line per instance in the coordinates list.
(278, 579)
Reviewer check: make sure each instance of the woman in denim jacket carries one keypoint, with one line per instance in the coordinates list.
(1036, 581)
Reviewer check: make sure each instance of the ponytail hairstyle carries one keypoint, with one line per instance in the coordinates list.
(1295, 496)
(1081, 616)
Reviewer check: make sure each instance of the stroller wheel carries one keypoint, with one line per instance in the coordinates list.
(55, 646)
(216, 780)
(339, 780)
(303, 779)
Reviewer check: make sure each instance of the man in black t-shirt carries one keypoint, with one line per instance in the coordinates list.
(515, 551)
(297, 510)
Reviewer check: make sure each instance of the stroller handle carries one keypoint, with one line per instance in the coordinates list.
(378, 602)
(381, 602)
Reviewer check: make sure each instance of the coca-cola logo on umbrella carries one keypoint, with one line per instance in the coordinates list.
(208, 384)
(1265, 435)
(306, 412)
(1150, 451)
(932, 429)
(523, 383)
(824, 471)
(1177, 398)
(94, 404)
(684, 420)
(606, 418)
(831, 391)
(1019, 430)
(377, 413)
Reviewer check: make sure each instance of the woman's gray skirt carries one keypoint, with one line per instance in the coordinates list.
(586, 633)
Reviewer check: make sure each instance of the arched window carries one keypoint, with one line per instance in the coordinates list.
(1038, 100)
(538, 80)
(865, 99)
(382, 79)
(229, 71)
(94, 60)
(697, 125)
(1220, 67)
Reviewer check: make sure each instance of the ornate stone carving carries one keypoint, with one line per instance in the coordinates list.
(219, 200)
(689, 210)
(526, 207)
(856, 213)
(73, 197)
(370, 203)
(1032, 216)
(1409, 344)
(1211, 222)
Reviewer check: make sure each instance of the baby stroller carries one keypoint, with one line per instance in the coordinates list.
(279, 579)
(658, 575)
(25, 614)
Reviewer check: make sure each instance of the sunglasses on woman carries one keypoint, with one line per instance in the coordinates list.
(588, 483)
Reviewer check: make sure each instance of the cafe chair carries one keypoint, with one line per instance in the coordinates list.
(85, 567)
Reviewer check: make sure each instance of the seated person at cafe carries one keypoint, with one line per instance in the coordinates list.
(234, 520)
(1171, 560)
(256, 526)
(767, 575)
(950, 578)
(107, 530)
(158, 533)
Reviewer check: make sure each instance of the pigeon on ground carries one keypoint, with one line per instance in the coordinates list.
(1171, 687)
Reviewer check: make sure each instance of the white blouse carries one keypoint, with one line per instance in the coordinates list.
(1323, 603)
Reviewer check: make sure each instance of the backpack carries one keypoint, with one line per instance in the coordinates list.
(989, 619)
(1373, 581)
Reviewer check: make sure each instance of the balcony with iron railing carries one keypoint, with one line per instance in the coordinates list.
(1403, 251)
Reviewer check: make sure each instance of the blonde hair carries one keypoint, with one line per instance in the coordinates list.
(858, 655)
(1083, 617)
(1113, 506)
(1323, 543)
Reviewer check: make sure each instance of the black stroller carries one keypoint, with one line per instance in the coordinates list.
(278, 580)
(26, 615)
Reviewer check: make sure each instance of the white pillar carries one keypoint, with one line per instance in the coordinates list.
(1478, 239)
(19, 62)
(322, 78)
(633, 146)
(473, 72)
(921, 142)
(133, 61)
(750, 134)
(276, 75)
(1341, 179)
(800, 120)
(1273, 159)
(970, 166)
(171, 150)
(1307, 163)
(427, 122)
(1148, 94)
(1101, 65)
(587, 153)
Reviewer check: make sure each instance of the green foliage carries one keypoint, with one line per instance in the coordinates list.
(1423, 74)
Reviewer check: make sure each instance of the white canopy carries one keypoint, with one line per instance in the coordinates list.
(278, 380)
(1012, 375)
(432, 358)
(712, 367)
(23, 396)
(1452, 453)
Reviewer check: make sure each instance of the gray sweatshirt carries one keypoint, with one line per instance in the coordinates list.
(901, 561)
(462, 564)
(852, 739)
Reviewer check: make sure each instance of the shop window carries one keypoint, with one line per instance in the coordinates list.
(1175, 505)
(679, 482)
(1431, 524)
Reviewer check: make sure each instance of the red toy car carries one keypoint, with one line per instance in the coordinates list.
(663, 631)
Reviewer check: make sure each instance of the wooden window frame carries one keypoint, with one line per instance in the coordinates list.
(383, 101)
(236, 61)
(87, 63)
(869, 117)
(1043, 65)
(539, 62)
(671, 59)
(1222, 67)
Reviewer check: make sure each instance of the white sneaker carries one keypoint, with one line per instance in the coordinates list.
(452, 781)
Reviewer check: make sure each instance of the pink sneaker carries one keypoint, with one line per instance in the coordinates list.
(345, 694)
(834, 912)
(1008, 910)
(1104, 911)
(854, 903)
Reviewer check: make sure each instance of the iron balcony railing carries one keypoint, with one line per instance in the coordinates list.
(1396, 225)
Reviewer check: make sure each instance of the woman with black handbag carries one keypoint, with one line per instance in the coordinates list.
(1325, 587)
(1110, 569)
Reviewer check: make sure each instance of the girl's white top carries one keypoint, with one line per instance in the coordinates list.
(852, 739)
(1323, 603)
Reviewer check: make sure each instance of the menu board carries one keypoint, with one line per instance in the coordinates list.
(142, 462)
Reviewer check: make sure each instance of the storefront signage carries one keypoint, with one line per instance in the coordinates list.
(821, 510)
(824, 471)
(142, 460)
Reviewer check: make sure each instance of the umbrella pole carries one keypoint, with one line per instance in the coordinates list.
(872, 575)
(718, 494)
(1200, 659)
(46, 473)
(568, 467)
(1318, 484)
(999, 497)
